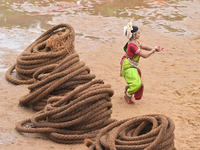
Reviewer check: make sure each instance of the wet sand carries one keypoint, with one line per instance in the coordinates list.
(171, 80)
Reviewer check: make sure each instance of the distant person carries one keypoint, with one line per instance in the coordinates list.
(129, 62)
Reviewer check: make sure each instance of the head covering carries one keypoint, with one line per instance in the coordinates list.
(129, 29)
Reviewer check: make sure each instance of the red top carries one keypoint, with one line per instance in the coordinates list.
(133, 50)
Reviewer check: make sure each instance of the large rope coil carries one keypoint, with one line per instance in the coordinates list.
(148, 132)
(50, 48)
(72, 118)
(56, 80)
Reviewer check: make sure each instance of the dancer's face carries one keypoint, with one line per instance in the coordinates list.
(137, 36)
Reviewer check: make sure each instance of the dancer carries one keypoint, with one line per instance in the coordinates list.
(129, 62)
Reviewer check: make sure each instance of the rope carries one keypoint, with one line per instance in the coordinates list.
(72, 104)
(50, 48)
(56, 80)
(148, 132)
(72, 118)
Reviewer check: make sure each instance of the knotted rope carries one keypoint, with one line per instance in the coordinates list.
(50, 48)
(148, 132)
(72, 118)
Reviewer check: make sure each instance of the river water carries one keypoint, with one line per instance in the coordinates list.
(165, 15)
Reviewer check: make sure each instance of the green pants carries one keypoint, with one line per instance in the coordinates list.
(131, 76)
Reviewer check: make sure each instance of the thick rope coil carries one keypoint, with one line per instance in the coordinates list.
(74, 117)
(56, 80)
(50, 48)
(148, 132)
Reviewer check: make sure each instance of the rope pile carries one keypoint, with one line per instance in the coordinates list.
(50, 48)
(72, 104)
(72, 118)
(148, 132)
(56, 80)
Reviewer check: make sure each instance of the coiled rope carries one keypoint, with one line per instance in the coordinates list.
(72, 118)
(56, 80)
(72, 104)
(148, 132)
(50, 48)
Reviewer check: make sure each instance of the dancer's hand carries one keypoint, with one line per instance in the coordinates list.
(159, 48)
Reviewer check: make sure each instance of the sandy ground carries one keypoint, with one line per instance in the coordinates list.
(171, 80)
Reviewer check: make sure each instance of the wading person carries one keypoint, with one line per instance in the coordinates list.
(129, 62)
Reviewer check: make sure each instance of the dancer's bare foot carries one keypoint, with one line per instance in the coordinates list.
(128, 100)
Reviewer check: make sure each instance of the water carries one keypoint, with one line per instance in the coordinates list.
(167, 16)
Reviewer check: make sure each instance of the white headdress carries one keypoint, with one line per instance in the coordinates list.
(127, 30)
